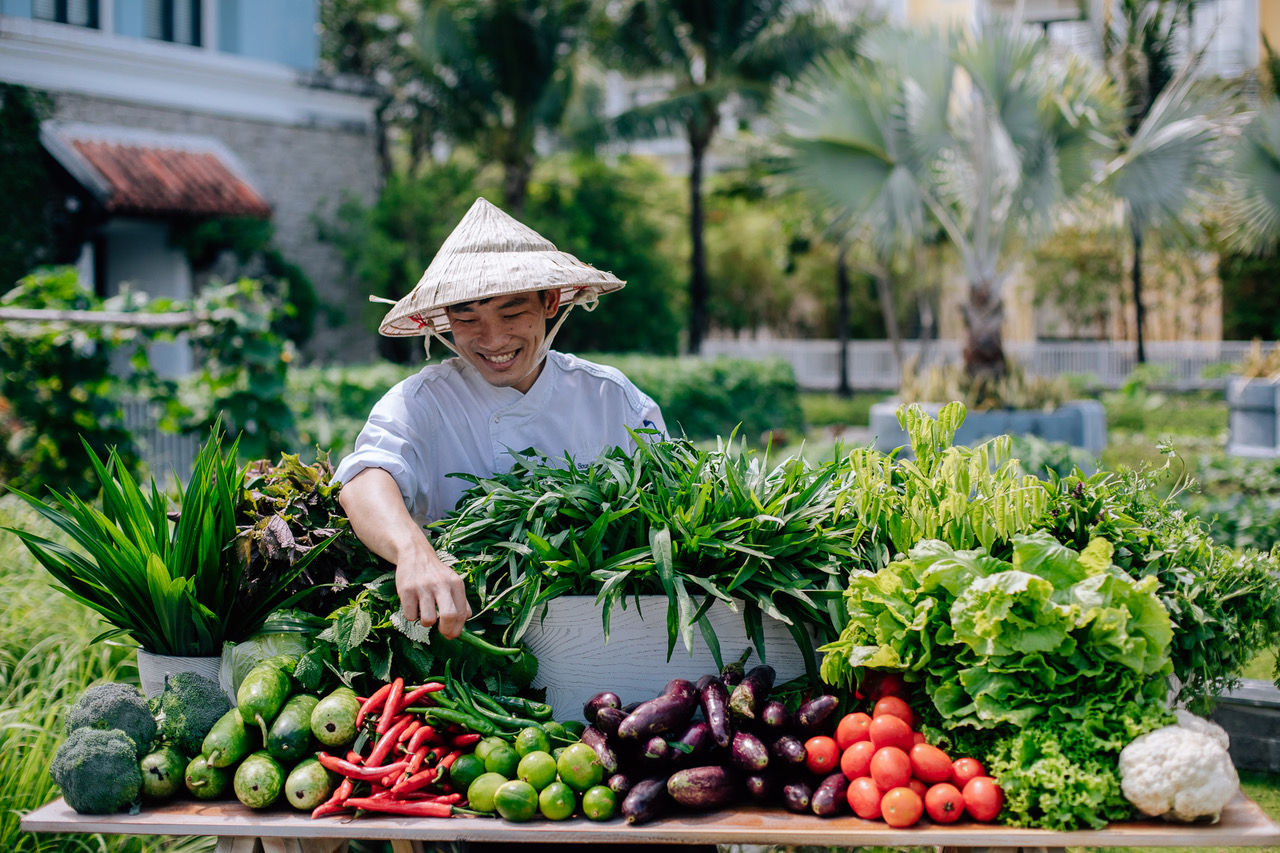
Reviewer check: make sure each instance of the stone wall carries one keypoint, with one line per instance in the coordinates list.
(304, 172)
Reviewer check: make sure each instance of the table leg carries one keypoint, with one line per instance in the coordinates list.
(242, 844)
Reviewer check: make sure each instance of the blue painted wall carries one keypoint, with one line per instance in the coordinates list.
(277, 30)
(130, 18)
(17, 8)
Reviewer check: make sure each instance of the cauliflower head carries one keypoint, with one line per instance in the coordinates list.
(189, 706)
(1178, 773)
(97, 770)
(115, 706)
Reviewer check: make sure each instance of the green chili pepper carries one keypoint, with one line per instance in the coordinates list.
(470, 722)
(479, 643)
(539, 711)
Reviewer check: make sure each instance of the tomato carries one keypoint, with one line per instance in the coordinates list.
(856, 760)
(964, 769)
(876, 685)
(895, 705)
(901, 807)
(916, 785)
(852, 728)
(983, 798)
(822, 756)
(888, 730)
(917, 737)
(944, 803)
(929, 764)
(890, 768)
(864, 798)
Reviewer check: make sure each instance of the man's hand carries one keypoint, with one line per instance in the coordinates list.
(430, 592)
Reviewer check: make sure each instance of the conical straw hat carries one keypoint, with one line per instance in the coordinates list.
(490, 254)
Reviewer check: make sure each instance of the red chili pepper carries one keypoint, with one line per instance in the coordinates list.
(448, 760)
(466, 739)
(357, 772)
(448, 798)
(330, 808)
(383, 747)
(410, 730)
(417, 694)
(423, 735)
(337, 802)
(372, 704)
(392, 706)
(392, 806)
(415, 762)
(416, 781)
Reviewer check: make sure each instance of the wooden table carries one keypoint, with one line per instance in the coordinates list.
(241, 830)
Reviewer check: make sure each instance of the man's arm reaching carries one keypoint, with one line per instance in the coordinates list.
(430, 591)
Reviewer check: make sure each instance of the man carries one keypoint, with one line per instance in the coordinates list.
(493, 286)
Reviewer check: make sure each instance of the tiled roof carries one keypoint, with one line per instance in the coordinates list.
(136, 172)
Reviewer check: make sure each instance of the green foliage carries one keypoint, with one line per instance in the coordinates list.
(1238, 501)
(1015, 389)
(25, 194)
(286, 510)
(171, 586)
(56, 385)
(1078, 274)
(115, 705)
(189, 706)
(703, 398)
(1250, 302)
(97, 770)
(331, 404)
(828, 409)
(665, 519)
(606, 215)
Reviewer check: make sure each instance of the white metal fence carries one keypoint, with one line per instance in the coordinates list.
(1179, 365)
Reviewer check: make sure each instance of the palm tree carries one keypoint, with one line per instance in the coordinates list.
(1169, 147)
(508, 68)
(717, 51)
(985, 134)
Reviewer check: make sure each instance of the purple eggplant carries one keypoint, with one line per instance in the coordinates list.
(620, 783)
(713, 696)
(596, 739)
(705, 788)
(831, 797)
(647, 799)
(761, 787)
(749, 696)
(608, 719)
(797, 796)
(788, 751)
(603, 699)
(695, 742)
(732, 673)
(657, 749)
(747, 752)
(666, 712)
(775, 717)
(814, 715)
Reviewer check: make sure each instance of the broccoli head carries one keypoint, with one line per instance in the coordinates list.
(97, 770)
(189, 706)
(115, 706)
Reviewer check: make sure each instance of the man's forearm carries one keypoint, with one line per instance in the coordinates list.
(378, 516)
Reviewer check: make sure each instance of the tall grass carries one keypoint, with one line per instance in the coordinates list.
(46, 661)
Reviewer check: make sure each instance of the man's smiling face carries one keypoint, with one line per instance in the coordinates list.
(501, 336)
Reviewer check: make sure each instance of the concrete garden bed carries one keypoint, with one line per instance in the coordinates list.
(1080, 423)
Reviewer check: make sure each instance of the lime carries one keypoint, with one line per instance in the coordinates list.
(580, 767)
(575, 728)
(504, 759)
(599, 802)
(480, 791)
(557, 752)
(556, 731)
(538, 769)
(485, 744)
(516, 801)
(556, 801)
(532, 739)
(464, 771)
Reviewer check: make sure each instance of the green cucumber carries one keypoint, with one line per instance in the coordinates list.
(289, 739)
(261, 695)
(229, 740)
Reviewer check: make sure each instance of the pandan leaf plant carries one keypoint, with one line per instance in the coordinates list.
(167, 576)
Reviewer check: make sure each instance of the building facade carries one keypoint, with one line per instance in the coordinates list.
(164, 83)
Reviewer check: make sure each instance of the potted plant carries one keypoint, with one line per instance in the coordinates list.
(166, 576)
(1253, 392)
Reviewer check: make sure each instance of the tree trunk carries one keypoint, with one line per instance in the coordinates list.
(1139, 312)
(698, 289)
(984, 345)
(515, 183)
(889, 312)
(842, 318)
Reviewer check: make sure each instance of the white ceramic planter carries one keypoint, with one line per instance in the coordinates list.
(1254, 411)
(153, 669)
(575, 662)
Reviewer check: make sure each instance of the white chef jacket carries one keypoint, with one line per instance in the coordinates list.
(447, 419)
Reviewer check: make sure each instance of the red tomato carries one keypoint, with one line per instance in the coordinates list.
(856, 760)
(852, 728)
(897, 706)
(916, 785)
(890, 768)
(917, 737)
(944, 803)
(864, 798)
(983, 798)
(930, 764)
(964, 769)
(822, 756)
(901, 807)
(876, 685)
(888, 730)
